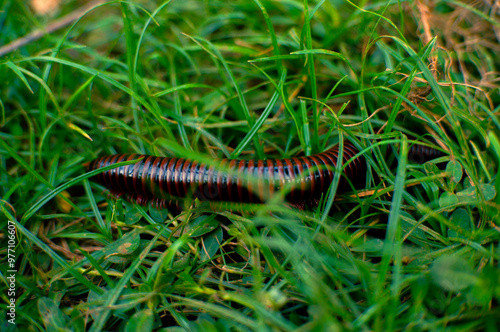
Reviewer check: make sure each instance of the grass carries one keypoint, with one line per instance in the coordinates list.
(416, 248)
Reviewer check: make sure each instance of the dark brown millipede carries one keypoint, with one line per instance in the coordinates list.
(245, 181)
(161, 179)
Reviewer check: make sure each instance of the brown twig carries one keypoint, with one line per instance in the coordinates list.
(54, 26)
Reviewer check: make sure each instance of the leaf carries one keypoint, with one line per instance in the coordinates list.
(199, 226)
(454, 171)
(453, 273)
(126, 248)
(132, 214)
(157, 215)
(447, 199)
(469, 194)
(140, 321)
(129, 247)
(461, 218)
(182, 263)
(211, 244)
(53, 318)
(77, 321)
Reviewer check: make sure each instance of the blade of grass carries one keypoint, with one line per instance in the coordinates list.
(495, 142)
(33, 172)
(67, 185)
(130, 43)
(205, 44)
(272, 35)
(112, 81)
(95, 209)
(305, 128)
(52, 254)
(20, 74)
(177, 104)
(325, 52)
(296, 119)
(312, 79)
(258, 124)
(392, 244)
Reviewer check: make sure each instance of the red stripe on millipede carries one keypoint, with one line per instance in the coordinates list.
(162, 176)
(153, 178)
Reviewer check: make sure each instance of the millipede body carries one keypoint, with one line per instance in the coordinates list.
(160, 179)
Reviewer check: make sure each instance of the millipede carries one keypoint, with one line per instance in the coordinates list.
(421, 153)
(160, 180)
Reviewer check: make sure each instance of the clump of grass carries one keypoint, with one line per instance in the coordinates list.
(416, 248)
